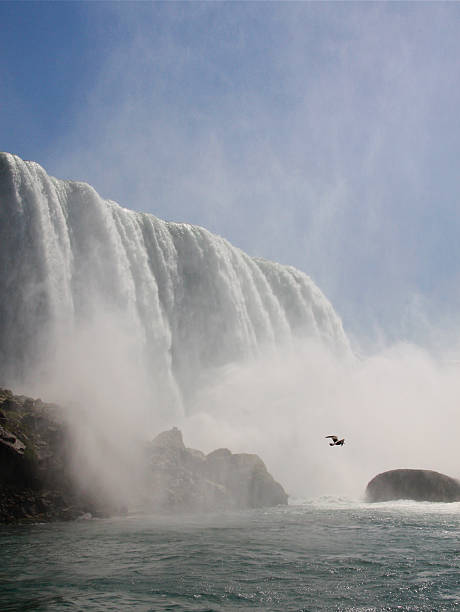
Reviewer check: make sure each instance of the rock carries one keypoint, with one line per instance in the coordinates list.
(185, 480)
(36, 481)
(245, 477)
(11, 441)
(418, 485)
(171, 439)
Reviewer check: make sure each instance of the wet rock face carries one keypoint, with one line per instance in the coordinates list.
(418, 485)
(186, 480)
(36, 481)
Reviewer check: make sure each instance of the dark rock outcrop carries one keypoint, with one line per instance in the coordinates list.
(36, 480)
(38, 483)
(418, 485)
(185, 480)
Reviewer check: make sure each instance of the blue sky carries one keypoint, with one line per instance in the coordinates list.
(321, 135)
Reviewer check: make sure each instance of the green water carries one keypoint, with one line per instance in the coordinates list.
(323, 555)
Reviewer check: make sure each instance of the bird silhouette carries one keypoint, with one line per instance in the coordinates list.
(336, 441)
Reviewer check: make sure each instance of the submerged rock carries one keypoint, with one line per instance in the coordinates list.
(418, 485)
(186, 480)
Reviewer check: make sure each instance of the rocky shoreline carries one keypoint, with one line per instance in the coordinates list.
(38, 484)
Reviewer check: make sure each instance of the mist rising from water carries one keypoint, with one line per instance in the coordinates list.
(395, 409)
(136, 325)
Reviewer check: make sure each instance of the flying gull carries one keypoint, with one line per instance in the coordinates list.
(336, 441)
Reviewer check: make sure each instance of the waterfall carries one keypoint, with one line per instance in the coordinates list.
(176, 299)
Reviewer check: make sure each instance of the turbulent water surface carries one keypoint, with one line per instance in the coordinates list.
(322, 555)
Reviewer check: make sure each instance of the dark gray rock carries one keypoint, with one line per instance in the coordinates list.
(36, 479)
(418, 485)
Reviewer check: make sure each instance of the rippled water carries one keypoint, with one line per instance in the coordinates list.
(322, 555)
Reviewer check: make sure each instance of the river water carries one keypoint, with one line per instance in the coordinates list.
(327, 554)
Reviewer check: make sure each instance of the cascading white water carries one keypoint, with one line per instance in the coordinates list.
(185, 300)
(135, 325)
